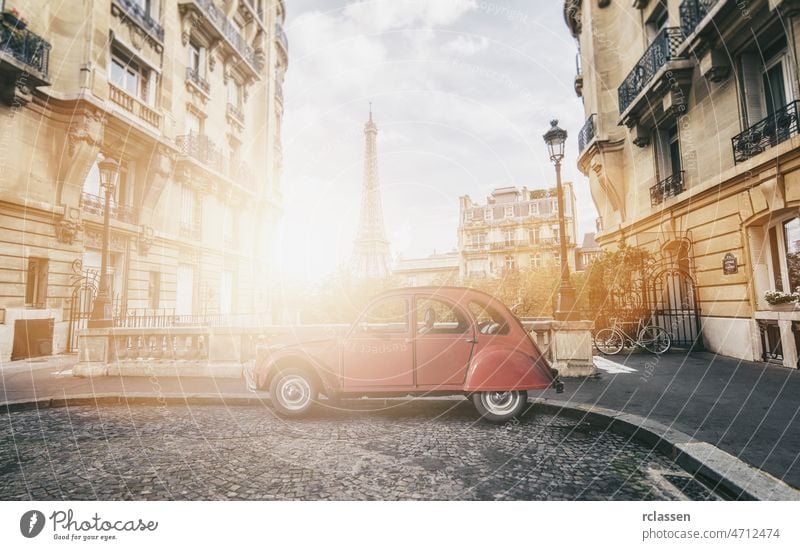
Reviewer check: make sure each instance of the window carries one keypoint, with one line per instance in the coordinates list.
(197, 60)
(557, 258)
(438, 317)
(226, 293)
(234, 93)
(509, 211)
(536, 261)
(554, 231)
(188, 199)
(554, 206)
(388, 315)
(668, 152)
(509, 263)
(508, 236)
(784, 250)
(132, 77)
(765, 80)
(194, 124)
(658, 21)
(154, 290)
(489, 320)
(36, 283)
(534, 208)
(148, 6)
(478, 240)
(184, 290)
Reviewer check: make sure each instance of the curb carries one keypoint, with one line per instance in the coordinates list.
(732, 476)
(726, 473)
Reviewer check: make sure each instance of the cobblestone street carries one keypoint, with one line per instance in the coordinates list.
(418, 450)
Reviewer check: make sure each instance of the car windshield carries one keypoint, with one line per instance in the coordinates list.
(490, 321)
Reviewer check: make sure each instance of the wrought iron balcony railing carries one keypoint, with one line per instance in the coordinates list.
(661, 50)
(97, 205)
(668, 187)
(282, 39)
(203, 150)
(193, 76)
(587, 133)
(24, 46)
(235, 113)
(228, 30)
(766, 133)
(142, 18)
(692, 12)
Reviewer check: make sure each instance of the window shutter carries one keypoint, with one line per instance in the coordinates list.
(751, 88)
(662, 155)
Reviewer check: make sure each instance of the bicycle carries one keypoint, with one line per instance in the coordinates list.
(610, 341)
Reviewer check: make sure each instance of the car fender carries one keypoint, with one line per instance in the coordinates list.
(269, 360)
(504, 368)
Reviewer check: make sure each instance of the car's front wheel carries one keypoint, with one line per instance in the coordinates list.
(293, 392)
(500, 406)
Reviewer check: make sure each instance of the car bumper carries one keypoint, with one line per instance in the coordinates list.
(557, 383)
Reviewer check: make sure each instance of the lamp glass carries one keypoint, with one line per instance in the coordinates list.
(555, 138)
(109, 173)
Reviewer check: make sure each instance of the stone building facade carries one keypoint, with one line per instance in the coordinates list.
(692, 151)
(437, 269)
(186, 95)
(514, 229)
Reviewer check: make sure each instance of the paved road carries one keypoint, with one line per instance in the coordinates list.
(419, 450)
(751, 410)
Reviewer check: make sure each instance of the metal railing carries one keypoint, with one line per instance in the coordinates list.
(203, 150)
(587, 133)
(661, 50)
(227, 29)
(668, 187)
(97, 205)
(142, 18)
(133, 105)
(193, 76)
(692, 12)
(26, 47)
(282, 39)
(235, 113)
(766, 133)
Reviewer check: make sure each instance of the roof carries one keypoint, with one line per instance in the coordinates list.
(589, 243)
(434, 262)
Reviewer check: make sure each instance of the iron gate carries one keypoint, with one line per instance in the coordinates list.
(673, 305)
(84, 290)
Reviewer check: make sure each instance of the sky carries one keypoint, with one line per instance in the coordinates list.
(462, 92)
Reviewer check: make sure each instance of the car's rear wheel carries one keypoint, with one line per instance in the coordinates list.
(293, 392)
(500, 406)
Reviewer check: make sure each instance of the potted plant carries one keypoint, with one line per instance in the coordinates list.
(14, 19)
(781, 301)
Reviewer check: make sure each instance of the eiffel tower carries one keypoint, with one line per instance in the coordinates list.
(371, 249)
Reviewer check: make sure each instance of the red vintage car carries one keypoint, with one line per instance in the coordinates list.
(412, 341)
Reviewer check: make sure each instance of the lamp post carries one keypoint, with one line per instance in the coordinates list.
(555, 139)
(101, 309)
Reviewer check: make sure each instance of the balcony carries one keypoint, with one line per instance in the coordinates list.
(234, 114)
(587, 133)
(194, 78)
(200, 148)
(134, 106)
(96, 205)
(668, 187)
(23, 53)
(578, 76)
(767, 133)
(190, 230)
(692, 12)
(135, 12)
(653, 75)
(218, 25)
(283, 41)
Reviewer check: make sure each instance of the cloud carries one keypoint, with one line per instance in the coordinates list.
(382, 15)
(463, 45)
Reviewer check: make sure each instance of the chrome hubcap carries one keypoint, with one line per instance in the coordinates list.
(500, 402)
(294, 393)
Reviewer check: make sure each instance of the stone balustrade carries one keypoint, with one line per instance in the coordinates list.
(220, 351)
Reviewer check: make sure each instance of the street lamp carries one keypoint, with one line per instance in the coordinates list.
(555, 138)
(101, 309)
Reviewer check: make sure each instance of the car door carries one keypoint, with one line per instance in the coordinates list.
(443, 342)
(378, 352)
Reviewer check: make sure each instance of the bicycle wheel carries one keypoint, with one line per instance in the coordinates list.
(654, 339)
(608, 341)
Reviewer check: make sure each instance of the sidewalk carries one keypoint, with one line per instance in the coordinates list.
(750, 410)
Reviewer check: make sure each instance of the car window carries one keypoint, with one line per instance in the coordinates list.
(438, 317)
(490, 321)
(388, 315)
